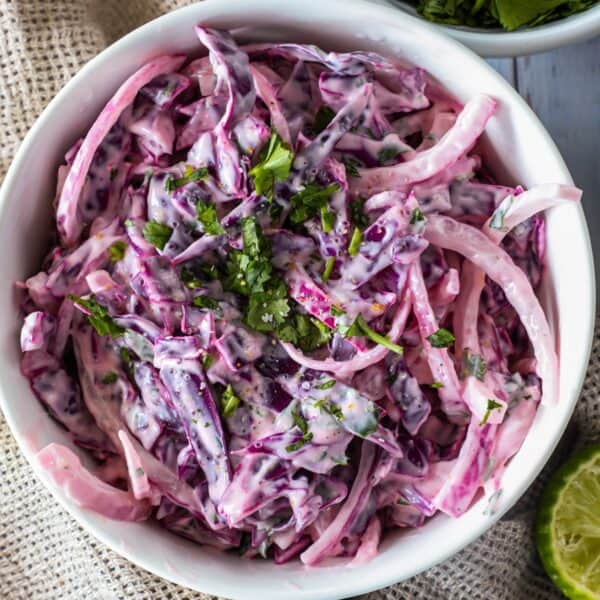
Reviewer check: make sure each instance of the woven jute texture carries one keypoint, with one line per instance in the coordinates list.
(44, 554)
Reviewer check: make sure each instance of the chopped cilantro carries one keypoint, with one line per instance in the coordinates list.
(98, 316)
(229, 402)
(158, 234)
(330, 408)
(306, 332)
(329, 264)
(207, 361)
(388, 153)
(442, 338)
(323, 117)
(491, 405)
(436, 385)
(327, 220)
(336, 311)
(189, 279)
(360, 327)
(190, 174)
(116, 251)
(207, 215)
(310, 200)
(357, 214)
(352, 165)
(326, 385)
(109, 378)
(300, 422)
(125, 355)
(473, 364)
(274, 165)
(355, 242)
(416, 216)
(498, 216)
(206, 302)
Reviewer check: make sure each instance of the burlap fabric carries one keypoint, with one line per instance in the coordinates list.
(44, 554)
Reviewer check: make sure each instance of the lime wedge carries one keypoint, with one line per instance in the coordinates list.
(568, 526)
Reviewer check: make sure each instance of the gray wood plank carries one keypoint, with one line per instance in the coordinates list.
(563, 88)
(505, 66)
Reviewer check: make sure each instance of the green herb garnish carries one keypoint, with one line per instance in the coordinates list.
(357, 213)
(416, 216)
(116, 251)
(207, 215)
(436, 385)
(110, 378)
(355, 242)
(388, 153)
(329, 264)
(158, 234)
(98, 316)
(190, 174)
(352, 165)
(301, 423)
(310, 200)
(229, 402)
(509, 14)
(473, 364)
(326, 385)
(274, 165)
(323, 117)
(336, 311)
(491, 405)
(207, 361)
(360, 327)
(206, 302)
(498, 216)
(442, 338)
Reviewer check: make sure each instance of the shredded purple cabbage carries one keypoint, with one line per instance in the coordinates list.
(276, 305)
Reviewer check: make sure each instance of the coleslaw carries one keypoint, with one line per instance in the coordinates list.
(288, 308)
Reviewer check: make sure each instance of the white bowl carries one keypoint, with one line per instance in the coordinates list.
(495, 42)
(528, 156)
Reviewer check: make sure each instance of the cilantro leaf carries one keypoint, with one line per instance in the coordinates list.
(207, 215)
(109, 378)
(190, 174)
(473, 364)
(491, 405)
(206, 302)
(336, 311)
(357, 214)
(300, 422)
(116, 251)
(416, 216)
(323, 117)
(326, 385)
(498, 216)
(355, 242)
(329, 264)
(310, 200)
(388, 153)
(274, 165)
(158, 234)
(360, 327)
(442, 338)
(98, 316)
(352, 165)
(229, 402)
(436, 385)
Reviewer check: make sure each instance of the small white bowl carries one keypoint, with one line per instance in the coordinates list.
(528, 156)
(496, 42)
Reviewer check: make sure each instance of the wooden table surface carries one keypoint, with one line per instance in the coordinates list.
(563, 88)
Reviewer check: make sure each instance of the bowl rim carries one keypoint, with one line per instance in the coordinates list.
(498, 43)
(214, 9)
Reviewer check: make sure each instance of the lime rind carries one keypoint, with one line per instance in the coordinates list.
(568, 526)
